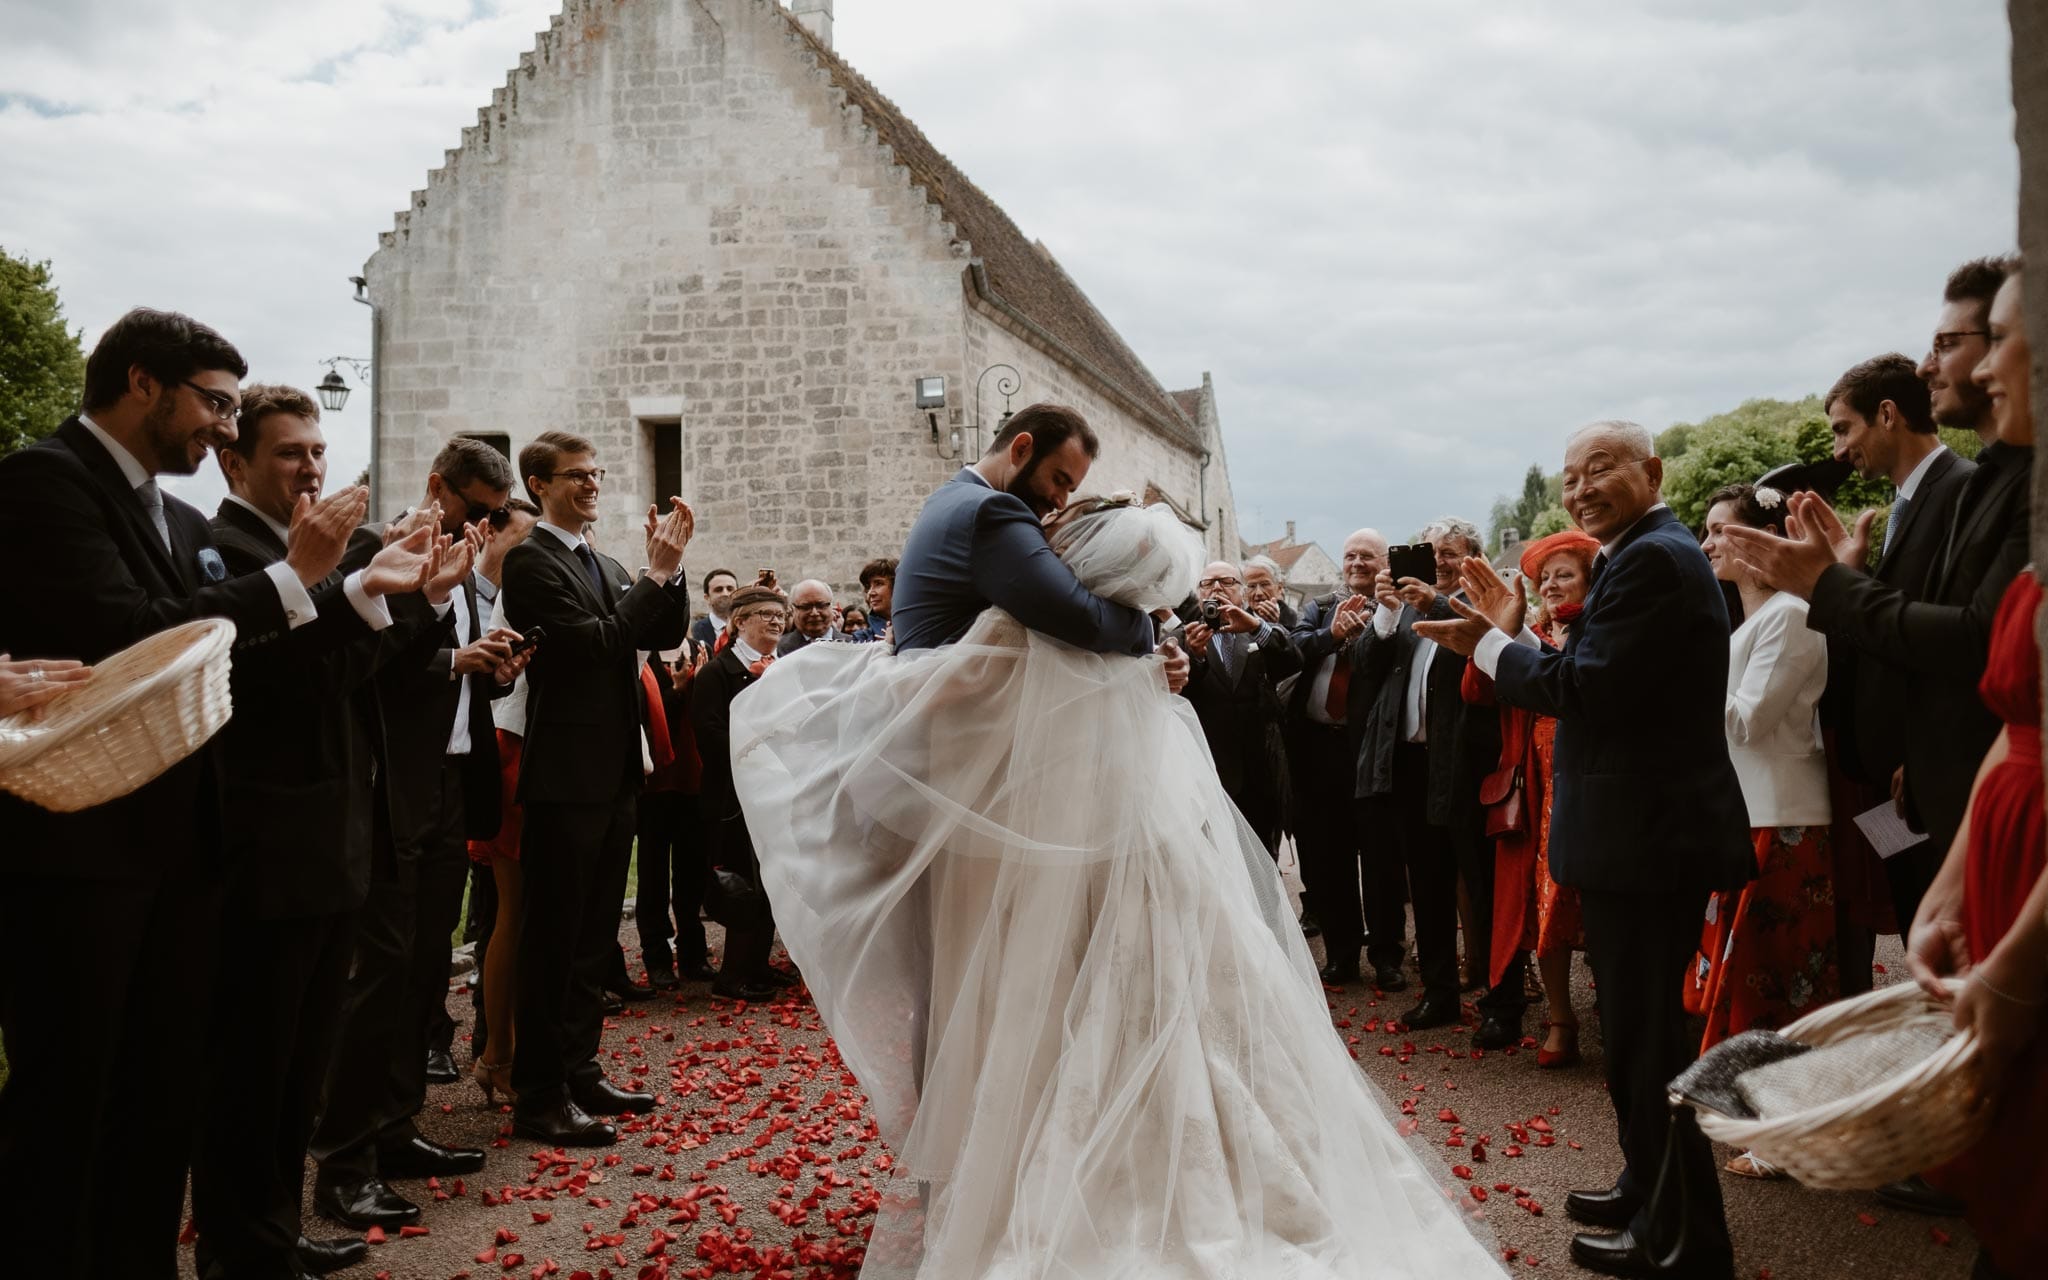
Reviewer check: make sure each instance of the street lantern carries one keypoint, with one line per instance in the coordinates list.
(333, 392)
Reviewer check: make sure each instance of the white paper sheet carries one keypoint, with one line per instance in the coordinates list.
(1887, 831)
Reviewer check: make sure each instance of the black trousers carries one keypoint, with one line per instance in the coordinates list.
(749, 933)
(482, 922)
(1326, 831)
(104, 994)
(274, 1024)
(397, 981)
(1409, 845)
(673, 873)
(573, 858)
(1639, 945)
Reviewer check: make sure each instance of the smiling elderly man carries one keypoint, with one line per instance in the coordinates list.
(815, 617)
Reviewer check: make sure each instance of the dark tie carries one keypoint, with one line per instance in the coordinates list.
(1599, 567)
(1891, 525)
(596, 575)
(1226, 657)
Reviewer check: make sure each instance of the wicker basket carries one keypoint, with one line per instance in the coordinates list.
(1911, 1121)
(145, 709)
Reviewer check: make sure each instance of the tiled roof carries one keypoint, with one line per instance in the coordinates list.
(1280, 552)
(1190, 402)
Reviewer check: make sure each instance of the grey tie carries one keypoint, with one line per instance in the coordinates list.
(153, 502)
(1891, 525)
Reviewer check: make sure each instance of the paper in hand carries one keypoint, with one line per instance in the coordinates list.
(1887, 831)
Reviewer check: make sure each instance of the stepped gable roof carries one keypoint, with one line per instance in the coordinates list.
(1018, 270)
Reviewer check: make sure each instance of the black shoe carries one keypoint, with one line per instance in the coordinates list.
(424, 1158)
(696, 971)
(1431, 1011)
(611, 1003)
(628, 990)
(1338, 974)
(364, 1204)
(322, 1256)
(1610, 1208)
(1388, 977)
(1309, 927)
(784, 977)
(600, 1097)
(663, 979)
(1496, 1033)
(1913, 1192)
(558, 1121)
(1621, 1255)
(441, 1067)
(743, 989)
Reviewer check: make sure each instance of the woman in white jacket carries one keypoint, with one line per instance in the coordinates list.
(1768, 955)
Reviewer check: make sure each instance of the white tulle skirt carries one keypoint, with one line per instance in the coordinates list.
(1056, 958)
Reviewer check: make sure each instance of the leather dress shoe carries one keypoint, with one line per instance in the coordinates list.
(364, 1204)
(441, 1067)
(784, 977)
(1309, 927)
(600, 1097)
(1431, 1011)
(610, 1003)
(1913, 1192)
(1621, 1255)
(318, 1257)
(743, 989)
(1388, 977)
(556, 1120)
(1338, 974)
(663, 979)
(630, 991)
(419, 1157)
(1610, 1208)
(1496, 1032)
(696, 971)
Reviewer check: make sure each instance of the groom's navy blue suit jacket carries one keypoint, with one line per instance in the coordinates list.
(973, 547)
(1645, 798)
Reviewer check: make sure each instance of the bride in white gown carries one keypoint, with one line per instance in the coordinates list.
(1056, 958)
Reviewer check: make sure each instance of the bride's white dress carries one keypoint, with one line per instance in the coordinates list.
(1057, 960)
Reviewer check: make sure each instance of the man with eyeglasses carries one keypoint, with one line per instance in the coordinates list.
(1236, 658)
(813, 617)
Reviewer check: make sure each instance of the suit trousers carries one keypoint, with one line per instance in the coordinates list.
(1423, 853)
(749, 933)
(573, 859)
(673, 873)
(274, 1025)
(1326, 835)
(399, 976)
(1639, 945)
(105, 1027)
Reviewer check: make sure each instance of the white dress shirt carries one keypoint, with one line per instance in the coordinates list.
(1319, 689)
(291, 593)
(1777, 668)
(458, 736)
(509, 712)
(1911, 485)
(371, 609)
(1415, 698)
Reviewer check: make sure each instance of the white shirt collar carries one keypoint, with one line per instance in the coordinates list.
(283, 532)
(136, 474)
(1607, 548)
(569, 539)
(976, 477)
(1912, 483)
(744, 652)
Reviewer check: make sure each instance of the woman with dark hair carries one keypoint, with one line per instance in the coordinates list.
(1531, 911)
(1767, 954)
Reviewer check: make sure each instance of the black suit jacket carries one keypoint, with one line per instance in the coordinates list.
(1940, 634)
(1241, 712)
(1464, 741)
(88, 577)
(1644, 797)
(721, 680)
(1866, 694)
(584, 700)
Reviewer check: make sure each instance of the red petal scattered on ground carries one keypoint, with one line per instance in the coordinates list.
(375, 1235)
(1867, 1219)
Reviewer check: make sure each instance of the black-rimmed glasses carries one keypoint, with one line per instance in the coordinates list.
(224, 407)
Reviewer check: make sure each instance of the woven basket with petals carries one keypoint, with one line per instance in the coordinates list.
(145, 709)
(1902, 1122)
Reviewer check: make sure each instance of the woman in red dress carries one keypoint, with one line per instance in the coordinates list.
(1532, 912)
(1986, 916)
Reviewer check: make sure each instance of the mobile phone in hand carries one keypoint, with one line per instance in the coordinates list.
(1417, 561)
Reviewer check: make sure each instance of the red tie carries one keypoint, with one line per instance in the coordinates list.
(1336, 703)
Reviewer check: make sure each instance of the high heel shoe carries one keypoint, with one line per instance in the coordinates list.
(494, 1078)
(1553, 1059)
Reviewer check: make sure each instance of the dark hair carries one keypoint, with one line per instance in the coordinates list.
(464, 461)
(523, 507)
(882, 568)
(1747, 509)
(719, 573)
(538, 458)
(1050, 426)
(259, 401)
(1977, 281)
(1890, 377)
(168, 346)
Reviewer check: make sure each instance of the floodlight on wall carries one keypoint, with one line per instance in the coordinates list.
(930, 397)
(333, 391)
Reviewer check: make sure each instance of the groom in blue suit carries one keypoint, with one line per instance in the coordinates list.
(980, 541)
(1647, 821)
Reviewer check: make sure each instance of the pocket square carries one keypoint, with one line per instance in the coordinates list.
(211, 567)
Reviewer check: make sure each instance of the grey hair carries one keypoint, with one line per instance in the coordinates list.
(1635, 436)
(1266, 563)
(1452, 527)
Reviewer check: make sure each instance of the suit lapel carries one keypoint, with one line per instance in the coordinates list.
(1650, 523)
(574, 564)
(101, 466)
(1911, 521)
(249, 522)
(1978, 505)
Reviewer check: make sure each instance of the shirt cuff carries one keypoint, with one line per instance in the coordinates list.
(1384, 621)
(292, 594)
(371, 609)
(1487, 655)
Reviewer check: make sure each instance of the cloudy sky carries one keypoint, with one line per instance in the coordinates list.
(1415, 244)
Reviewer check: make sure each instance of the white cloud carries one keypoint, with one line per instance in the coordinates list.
(1415, 244)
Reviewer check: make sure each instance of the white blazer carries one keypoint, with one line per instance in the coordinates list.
(1776, 670)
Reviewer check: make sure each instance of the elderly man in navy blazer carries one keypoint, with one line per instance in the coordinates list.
(1647, 821)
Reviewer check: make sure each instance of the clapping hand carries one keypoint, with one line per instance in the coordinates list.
(1792, 563)
(451, 560)
(402, 566)
(668, 536)
(1808, 511)
(1350, 619)
(1268, 609)
(320, 530)
(1508, 610)
(32, 684)
(1461, 634)
(425, 517)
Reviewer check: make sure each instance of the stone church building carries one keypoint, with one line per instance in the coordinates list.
(689, 231)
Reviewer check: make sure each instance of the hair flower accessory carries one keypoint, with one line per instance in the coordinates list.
(1121, 498)
(1768, 498)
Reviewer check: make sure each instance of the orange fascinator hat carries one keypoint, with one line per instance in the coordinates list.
(1542, 549)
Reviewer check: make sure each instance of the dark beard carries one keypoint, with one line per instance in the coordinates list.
(1020, 488)
(166, 446)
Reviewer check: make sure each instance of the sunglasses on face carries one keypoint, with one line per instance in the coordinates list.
(498, 516)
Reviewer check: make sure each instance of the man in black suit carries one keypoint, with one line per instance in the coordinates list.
(1647, 821)
(1417, 779)
(97, 1017)
(1323, 755)
(812, 616)
(296, 785)
(719, 584)
(437, 787)
(579, 773)
(1235, 663)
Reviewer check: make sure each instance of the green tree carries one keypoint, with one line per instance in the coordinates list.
(1551, 520)
(42, 365)
(1540, 492)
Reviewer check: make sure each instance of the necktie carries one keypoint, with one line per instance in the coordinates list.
(153, 502)
(1337, 702)
(1599, 567)
(1891, 525)
(1225, 658)
(596, 575)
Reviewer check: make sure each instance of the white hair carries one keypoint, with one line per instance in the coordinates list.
(1266, 563)
(1634, 436)
(1452, 527)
